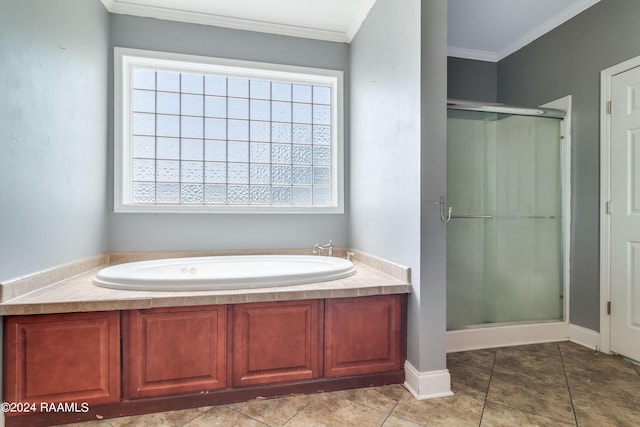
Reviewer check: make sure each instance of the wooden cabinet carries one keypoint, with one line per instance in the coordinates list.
(364, 335)
(62, 358)
(180, 357)
(174, 350)
(277, 342)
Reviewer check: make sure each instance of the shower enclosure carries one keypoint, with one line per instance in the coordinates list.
(504, 214)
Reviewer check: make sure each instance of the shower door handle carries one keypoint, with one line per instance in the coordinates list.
(445, 218)
(472, 216)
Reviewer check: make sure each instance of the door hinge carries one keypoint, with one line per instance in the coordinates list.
(608, 207)
(609, 308)
(608, 107)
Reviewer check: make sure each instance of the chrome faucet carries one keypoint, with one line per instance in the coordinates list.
(317, 248)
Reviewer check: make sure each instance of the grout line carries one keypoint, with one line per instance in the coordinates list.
(195, 417)
(389, 414)
(228, 406)
(486, 396)
(634, 364)
(575, 416)
(300, 409)
(186, 423)
(400, 418)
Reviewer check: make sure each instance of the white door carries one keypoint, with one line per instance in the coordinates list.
(625, 217)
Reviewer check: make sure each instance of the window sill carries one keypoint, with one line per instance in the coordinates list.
(226, 209)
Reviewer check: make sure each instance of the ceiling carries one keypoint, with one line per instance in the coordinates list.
(486, 30)
(490, 30)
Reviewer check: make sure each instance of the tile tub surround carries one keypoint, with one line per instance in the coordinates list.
(78, 294)
(21, 285)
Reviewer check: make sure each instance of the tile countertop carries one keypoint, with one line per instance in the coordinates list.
(78, 294)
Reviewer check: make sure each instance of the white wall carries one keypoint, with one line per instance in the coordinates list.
(53, 133)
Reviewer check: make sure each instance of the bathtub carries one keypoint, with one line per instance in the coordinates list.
(223, 272)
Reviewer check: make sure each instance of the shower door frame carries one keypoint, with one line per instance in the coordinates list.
(508, 334)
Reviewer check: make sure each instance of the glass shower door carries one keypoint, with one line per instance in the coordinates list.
(504, 247)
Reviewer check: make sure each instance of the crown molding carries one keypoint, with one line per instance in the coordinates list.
(108, 4)
(478, 55)
(545, 27)
(114, 6)
(359, 18)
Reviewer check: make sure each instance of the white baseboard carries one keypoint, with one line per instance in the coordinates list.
(584, 337)
(505, 336)
(427, 385)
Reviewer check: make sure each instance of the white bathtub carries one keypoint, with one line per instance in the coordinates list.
(223, 272)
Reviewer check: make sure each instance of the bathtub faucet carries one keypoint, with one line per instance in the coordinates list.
(317, 248)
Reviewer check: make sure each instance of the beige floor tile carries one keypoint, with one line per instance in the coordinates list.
(580, 362)
(531, 361)
(460, 411)
(273, 412)
(160, 419)
(606, 412)
(329, 410)
(548, 397)
(603, 387)
(222, 416)
(399, 422)
(606, 401)
(96, 423)
(471, 371)
(383, 398)
(502, 416)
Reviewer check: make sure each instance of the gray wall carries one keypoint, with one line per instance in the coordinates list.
(472, 80)
(386, 152)
(568, 61)
(433, 179)
(226, 231)
(53, 127)
(385, 143)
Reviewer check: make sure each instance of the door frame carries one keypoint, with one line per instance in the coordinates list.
(565, 103)
(606, 77)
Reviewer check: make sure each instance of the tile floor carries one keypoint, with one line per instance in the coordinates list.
(556, 384)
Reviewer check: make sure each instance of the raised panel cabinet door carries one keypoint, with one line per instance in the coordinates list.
(364, 335)
(174, 350)
(277, 342)
(73, 357)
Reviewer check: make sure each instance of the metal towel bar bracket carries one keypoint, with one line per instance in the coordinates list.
(445, 218)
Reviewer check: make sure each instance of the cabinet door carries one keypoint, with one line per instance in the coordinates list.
(174, 350)
(72, 357)
(364, 335)
(277, 342)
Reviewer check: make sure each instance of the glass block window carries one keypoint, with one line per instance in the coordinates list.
(205, 134)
